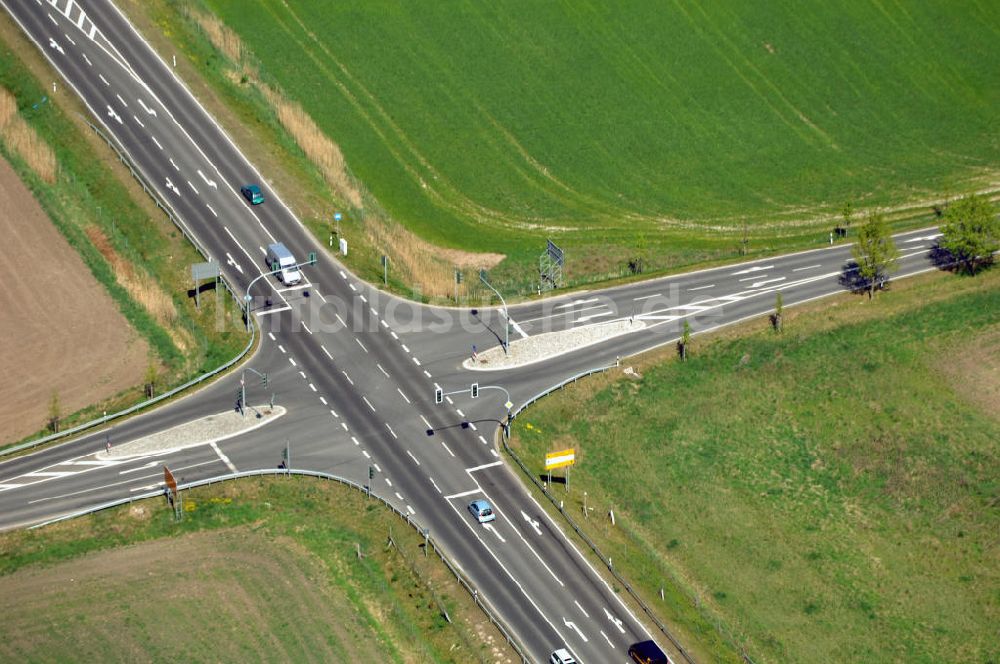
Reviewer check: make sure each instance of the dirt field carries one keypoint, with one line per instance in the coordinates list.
(230, 595)
(59, 329)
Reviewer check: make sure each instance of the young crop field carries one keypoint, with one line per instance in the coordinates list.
(663, 131)
(825, 494)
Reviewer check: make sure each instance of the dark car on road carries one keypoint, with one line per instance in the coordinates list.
(251, 192)
(647, 652)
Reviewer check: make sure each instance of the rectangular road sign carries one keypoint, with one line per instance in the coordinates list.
(168, 479)
(560, 459)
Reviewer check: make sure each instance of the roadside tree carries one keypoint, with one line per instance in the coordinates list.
(971, 232)
(875, 252)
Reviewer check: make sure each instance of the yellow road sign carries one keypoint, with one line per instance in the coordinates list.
(560, 459)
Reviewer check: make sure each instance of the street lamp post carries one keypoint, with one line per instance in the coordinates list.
(506, 317)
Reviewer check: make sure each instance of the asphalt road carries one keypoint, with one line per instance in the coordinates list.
(357, 368)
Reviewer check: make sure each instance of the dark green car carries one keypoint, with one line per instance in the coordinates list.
(251, 192)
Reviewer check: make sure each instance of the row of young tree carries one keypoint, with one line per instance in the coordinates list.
(970, 228)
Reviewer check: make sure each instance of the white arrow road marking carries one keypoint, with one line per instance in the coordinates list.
(112, 114)
(54, 44)
(172, 187)
(755, 268)
(147, 108)
(534, 524)
(576, 302)
(614, 621)
(489, 527)
(576, 629)
(921, 239)
(232, 261)
(607, 639)
(210, 183)
(758, 284)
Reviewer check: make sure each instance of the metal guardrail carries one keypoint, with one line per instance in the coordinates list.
(142, 179)
(593, 547)
(480, 601)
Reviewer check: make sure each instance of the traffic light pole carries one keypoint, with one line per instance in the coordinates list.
(473, 392)
(506, 317)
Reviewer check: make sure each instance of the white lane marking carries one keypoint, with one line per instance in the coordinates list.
(368, 403)
(808, 267)
(755, 268)
(124, 103)
(426, 422)
(572, 625)
(292, 360)
(232, 261)
(306, 328)
(415, 460)
(342, 274)
(428, 373)
(489, 527)
(607, 639)
(355, 440)
(192, 187)
(222, 456)
(584, 319)
(485, 465)
(326, 351)
(534, 524)
(321, 296)
(107, 486)
(582, 610)
(378, 468)
(436, 487)
(921, 239)
(312, 387)
(49, 474)
(4, 487)
(347, 377)
(176, 167)
(282, 348)
(148, 487)
(334, 413)
(87, 60)
(69, 39)
(156, 141)
(410, 510)
(136, 118)
(701, 288)
(646, 297)
(104, 80)
(388, 481)
(271, 335)
(303, 374)
(576, 302)
(617, 622)
(483, 439)
(344, 425)
(399, 495)
(137, 468)
(210, 183)
(212, 210)
(382, 370)
(51, 19)
(292, 288)
(394, 335)
(416, 361)
(391, 431)
(460, 413)
(758, 284)
(361, 344)
(494, 453)
(353, 288)
(450, 402)
(322, 400)
(405, 398)
(148, 110)
(517, 328)
(405, 349)
(448, 449)
(340, 320)
(365, 452)
(363, 299)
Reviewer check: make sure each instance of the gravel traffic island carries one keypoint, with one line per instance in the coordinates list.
(550, 344)
(205, 431)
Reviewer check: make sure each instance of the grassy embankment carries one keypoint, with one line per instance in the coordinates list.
(650, 131)
(129, 245)
(260, 569)
(825, 494)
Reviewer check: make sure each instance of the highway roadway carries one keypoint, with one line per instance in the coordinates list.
(357, 368)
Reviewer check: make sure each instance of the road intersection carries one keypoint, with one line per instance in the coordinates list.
(356, 368)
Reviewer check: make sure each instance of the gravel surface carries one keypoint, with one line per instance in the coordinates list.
(544, 346)
(207, 430)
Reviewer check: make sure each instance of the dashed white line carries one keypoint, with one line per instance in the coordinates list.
(460, 413)
(391, 431)
(436, 487)
(51, 19)
(646, 297)
(582, 610)
(447, 448)
(365, 452)
(292, 360)
(70, 39)
(134, 117)
(312, 387)
(334, 413)
(323, 401)
(271, 336)
(156, 141)
(426, 422)
(368, 403)
(361, 344)
(124, 103)
(377, 467)
(306, 328)
(808, 267)
(282, 348)
(382, 370)
(363, 299)
(342, 274)
(399, 495)
(212, 210)
(473, 426)
(347, 377)
(176, 167)
(344, 425)
(303, 374)
(104, 80)
(340, 320)
(415, 459)
(416, 361)
(701, 287)
(388, 481)
(427, 373)
(384, 324)
(405, 398)
(355, 440)
(192, 187)
(450, 402)
(410, 510)
(394, 335)
(87, 60)
(494, 453)
(607, 639)
(483, 440)
(353, 288)
(405, 349)
(326, 351)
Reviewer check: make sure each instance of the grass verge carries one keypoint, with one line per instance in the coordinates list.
(271, 564)
(828, 493)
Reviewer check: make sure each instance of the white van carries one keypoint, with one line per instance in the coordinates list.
(279, 257)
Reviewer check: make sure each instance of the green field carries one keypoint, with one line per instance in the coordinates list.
(490, 126)
(258, 570)
(826, 494)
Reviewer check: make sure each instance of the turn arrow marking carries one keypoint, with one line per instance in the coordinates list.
(210, 183)
(614, 621)
(531, 522)
(572, 625)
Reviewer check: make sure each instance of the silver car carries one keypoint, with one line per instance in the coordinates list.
(482, 511)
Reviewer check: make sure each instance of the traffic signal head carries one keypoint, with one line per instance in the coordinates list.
(438, 395)
(371, 472)
(312, 257)
(475, 390)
